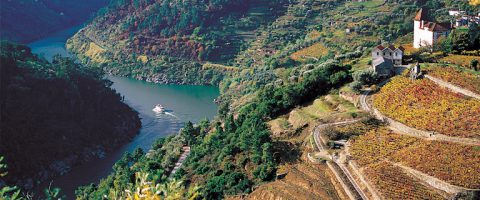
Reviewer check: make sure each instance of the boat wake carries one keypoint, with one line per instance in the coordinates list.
(171, 114)
(166, 114)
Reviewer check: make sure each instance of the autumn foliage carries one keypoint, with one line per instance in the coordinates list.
(424, 105)
(454, 163)
(393, 183)
(457, 77)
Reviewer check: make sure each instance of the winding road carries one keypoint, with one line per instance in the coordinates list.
(403, 129)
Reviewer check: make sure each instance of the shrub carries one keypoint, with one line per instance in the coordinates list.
(366, 77)
(356, 86)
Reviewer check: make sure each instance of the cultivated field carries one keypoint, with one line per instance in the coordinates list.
(393, 183)
(457, 76)
(462, 60)
(454, 163)
(424, 105)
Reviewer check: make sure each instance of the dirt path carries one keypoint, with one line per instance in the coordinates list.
(403, 129)
(344, 170)
(452, 87)
(179, 163)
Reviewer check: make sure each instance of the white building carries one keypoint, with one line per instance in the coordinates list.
(426, 33)
(391, 52)
(384, 59)
(455, 12)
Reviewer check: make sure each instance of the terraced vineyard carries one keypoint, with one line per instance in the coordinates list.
(462, 60)
(454, 163)
(393, 183)
(312, 52)
(457, 77)
(303, 181)
(378, 144)
(424, 105)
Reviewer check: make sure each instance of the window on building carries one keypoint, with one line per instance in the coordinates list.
(378, 54)
(396, 54)
(390, 54)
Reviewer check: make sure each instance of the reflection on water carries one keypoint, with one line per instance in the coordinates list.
(183, 103)
(54, 44)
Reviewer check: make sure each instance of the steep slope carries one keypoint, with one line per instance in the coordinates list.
(28, 20)
(56, 115)
(170, 37)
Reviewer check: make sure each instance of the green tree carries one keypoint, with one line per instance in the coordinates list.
(474, 64)
(188, 132)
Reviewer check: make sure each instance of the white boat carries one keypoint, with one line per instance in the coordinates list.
(159, 109)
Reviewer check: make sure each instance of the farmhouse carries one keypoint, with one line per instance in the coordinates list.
(426, 33)
(385, 58)
(383, 67)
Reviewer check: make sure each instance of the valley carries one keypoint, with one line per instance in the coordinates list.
(305, 99)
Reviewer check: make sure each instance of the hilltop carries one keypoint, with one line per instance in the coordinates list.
(27, 20)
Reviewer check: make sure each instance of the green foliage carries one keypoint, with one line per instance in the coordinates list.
(474, 64)
(366, 77)
(53, 194)
(54, 111)
(356, 86)
(7, 192)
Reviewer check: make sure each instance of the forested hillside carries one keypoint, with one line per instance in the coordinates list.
(56, 115)
(165, 41)
(28, 20)
(271, 59)
(296, 52)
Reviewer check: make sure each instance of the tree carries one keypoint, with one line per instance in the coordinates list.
(474, 64)
(188, 132)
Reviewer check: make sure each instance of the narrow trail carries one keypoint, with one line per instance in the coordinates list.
(319, 144)
(403, 129)
(179, 163)
(452, 87)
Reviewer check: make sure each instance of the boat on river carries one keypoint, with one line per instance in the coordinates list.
(159, 109)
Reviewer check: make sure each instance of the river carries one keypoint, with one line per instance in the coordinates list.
(183, 103)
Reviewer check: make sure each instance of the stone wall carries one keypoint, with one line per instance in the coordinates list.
(348, 190)
(404, 129)
(435, 182)
(356, 170)
(352, 98)
(453, 87)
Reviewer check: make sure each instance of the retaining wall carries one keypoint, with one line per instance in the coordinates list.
(356, 170)
(404, 129)
(435, 182)
(348, 190)
(452, 87)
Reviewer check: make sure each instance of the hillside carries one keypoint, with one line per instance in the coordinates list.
(55, 116)
(27, 20)
(284, 111)
(164, 41)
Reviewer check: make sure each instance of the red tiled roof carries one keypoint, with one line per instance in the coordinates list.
(401, 48)
(392, 47)
(380, 47)
(437, 27)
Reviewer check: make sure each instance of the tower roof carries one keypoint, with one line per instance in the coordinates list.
(422, 14)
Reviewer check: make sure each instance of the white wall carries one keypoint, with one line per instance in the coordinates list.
(422, 36)
(376, 53)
